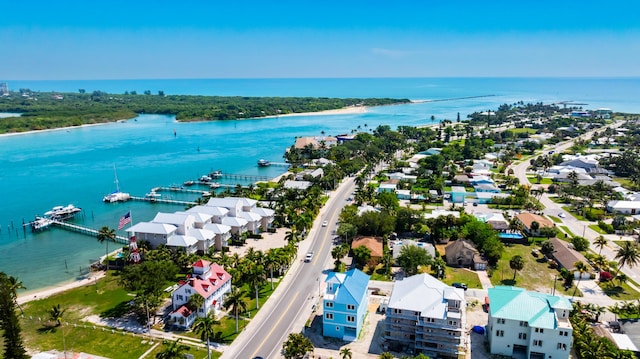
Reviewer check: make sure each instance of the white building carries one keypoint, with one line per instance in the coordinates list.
(427, 315)
(210, 281)
(528, 324)
(623, 207)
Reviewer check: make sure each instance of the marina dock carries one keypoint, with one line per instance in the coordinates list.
(85, 230)
(161, 200)
(177, 189)
(254, 178)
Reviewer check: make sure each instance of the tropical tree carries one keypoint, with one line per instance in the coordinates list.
(195, 301)
(581, 268)
(106, 234)
(621, 278)
(535, 226)
(271, 260)
(296, 346)
(628, 254)
(600, 242)
(411, 257)
(516, 263)
(9, 322)
(256, 278)
(386, 355)
(205, 327)
(235, 302)
(173, 350)
(13, 285)
(56, 313)
(345, 353)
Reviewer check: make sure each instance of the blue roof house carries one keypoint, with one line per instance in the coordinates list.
(458, 193)
(345, 304)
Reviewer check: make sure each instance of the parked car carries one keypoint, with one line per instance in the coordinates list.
(459, 285)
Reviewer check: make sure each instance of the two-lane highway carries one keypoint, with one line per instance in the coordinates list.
(298, 292)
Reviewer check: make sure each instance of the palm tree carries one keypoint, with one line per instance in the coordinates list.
(600, 242)
(581, 268)
(516, 263)
(621, 278)
(234, 301)
(270, 261)
(56, 313)
(105, 235)
(195, 302)
(15, 284)
(628, 254)
(386, 355)
(205, 327)
(173, 350)
(256, 277)
(345, 353)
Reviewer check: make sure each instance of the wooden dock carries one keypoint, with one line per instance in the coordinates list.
(85, 230)
(254, 178)
(162, 200)
(177, 189)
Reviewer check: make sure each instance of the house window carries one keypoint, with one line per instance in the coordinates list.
(328, 316)
(430, 320)
(351, 318)
(564, 333)
(500, 321)
(180, 297)
(499, 333)
(188, 291)
(329, 304)
(351, 307)
(537, 343)
(397, 311)
(539, 330)
(562, 346)
(522, 336)
(451, 322)
(524, 324)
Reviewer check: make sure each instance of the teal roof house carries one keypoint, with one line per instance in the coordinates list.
(528, 324)
(346, 300)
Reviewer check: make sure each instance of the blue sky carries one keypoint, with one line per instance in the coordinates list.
(283, 39)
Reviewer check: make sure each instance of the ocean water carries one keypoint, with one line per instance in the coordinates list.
(45, 169)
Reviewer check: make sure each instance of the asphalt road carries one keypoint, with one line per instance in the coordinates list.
(293, 299)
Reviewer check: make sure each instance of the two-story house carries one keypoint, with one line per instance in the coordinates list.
(528, 324)
(210, 281)
(428, 316)
(345, 304)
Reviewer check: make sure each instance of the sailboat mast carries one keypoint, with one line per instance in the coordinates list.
(115, 174)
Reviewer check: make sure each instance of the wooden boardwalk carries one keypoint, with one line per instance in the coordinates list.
(85, 230)
(161, 200)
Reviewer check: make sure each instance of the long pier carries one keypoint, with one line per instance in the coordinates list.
(161, 200)
(244, 177)
(177, 189)
(280, 164)
(85, 230)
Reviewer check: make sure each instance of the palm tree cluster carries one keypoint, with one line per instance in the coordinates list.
(586, 343)
(628, 309)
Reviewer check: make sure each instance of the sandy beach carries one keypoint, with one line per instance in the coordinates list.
(341, 111)
(42, 293)
(54, 129)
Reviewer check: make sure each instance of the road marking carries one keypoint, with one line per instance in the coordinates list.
(276, 324)
(324, 239)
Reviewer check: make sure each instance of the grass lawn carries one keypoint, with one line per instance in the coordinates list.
(544, 180)
(522, 130)
(462, 275)
(556, 199)
(625, 182)
(617, 292)
(566, 229)
(536, 275)
(555, 219)
(378, 273)
(597, 228)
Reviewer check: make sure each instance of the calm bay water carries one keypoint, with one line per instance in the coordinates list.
(41, 170)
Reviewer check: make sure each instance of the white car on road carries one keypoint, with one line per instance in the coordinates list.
(562, 215)
(325, 223)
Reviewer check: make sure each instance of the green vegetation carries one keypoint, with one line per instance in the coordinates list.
(544, 180)
(597, 228)
(45, 110)
(568, 231)
(462, 275)
(555, 219)
(619, 291)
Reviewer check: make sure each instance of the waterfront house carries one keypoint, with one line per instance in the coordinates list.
(154, 233)
(222, 234)
(462, 253)
(527, 220)
(216, 213)
(232, 204)
(238, 225)
(185, 243)
(528, 324)
(427, 316)
(200, 219)
(253, 221)
(210, 281)
(205, 238)
(183, 221)
(373, 244)
(345, 304)
(297, 185)
(267, 216)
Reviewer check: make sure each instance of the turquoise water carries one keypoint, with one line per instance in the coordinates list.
(511, 235)
(45, 169)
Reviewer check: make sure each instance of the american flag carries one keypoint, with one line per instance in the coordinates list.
(124, 220)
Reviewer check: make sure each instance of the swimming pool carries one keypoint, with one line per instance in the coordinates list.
(511, 236)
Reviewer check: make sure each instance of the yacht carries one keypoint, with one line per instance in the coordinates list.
(116, 196)
(153, 194)
(63, 213)
(264, 163)
(40, 223)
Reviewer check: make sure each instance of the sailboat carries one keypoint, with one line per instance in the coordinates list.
(116, 196)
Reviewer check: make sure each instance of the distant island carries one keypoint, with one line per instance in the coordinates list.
(49, 110)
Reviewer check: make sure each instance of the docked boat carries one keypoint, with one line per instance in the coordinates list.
(264, 163)
(216, 174)
(189, 183)
(214, 185)
(61, 213)
(153, 194)
(116, 196)
(205, 178)
(40, 223)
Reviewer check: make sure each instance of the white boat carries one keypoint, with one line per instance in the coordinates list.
(153, 194)
(214, 185)
(116, 196)
(40, 223)
(216, 174)
(205, 178)
(62, 213)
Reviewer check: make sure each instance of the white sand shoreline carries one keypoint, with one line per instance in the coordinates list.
(42, 293)
(10, 134)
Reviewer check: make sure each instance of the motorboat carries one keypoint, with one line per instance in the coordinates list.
(153, 194)
(205, 178)
(189, 183)
(40, 223)
(214, 185)
(264, 163)
(62, 213)
(216, 174)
